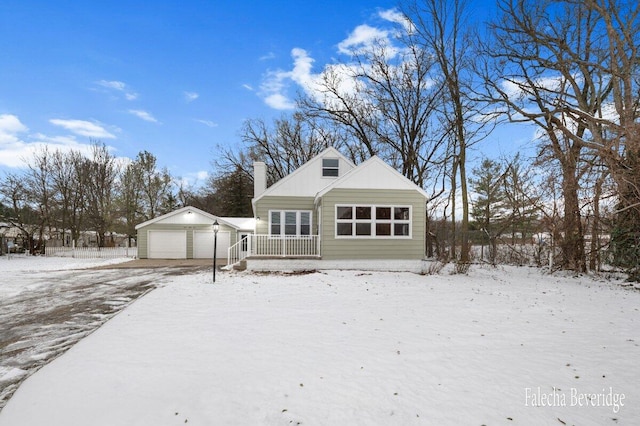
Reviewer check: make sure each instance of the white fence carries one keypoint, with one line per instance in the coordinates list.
(92, 252)
(269, 246)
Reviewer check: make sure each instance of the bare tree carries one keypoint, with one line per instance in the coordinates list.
(129, 198)
(98, 176)
(387, 98)
(41, 192)
(571, 68)
(543, 69)
(155, 185)
(19, 210)
(595, 190)
(442, 29)
(284, 146)
(522, 198)
(66, 193)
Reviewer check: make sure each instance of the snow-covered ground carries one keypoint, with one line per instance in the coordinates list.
(499, 346)
(26, 263)
(48, 304)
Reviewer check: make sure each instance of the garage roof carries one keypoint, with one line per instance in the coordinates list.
(199, 217)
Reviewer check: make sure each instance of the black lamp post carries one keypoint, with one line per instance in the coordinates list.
(216, 226)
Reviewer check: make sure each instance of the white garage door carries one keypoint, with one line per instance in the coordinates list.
(167, 245)
(203, 244)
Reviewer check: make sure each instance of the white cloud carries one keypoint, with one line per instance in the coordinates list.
(144, 115)
(191, 96)
(192, 179)
(10, 125)
(208, 123)
(276, 83)
(83, 128)
(302, 65)
(16, 145)
(395, 16)
(268, 56)
(118, 86)
(361, 39)
(273, 90)
(248, 87)
(11, 146)
(279, 101)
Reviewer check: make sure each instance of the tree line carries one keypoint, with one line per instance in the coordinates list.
(428, 96)
(68, 192)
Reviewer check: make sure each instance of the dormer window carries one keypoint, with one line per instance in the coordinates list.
(330, 167)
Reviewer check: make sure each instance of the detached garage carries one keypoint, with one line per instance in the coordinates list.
(187, 233)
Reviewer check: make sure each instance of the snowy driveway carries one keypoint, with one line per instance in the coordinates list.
(43, 312)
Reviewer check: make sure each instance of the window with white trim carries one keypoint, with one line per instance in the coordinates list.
(330, 167)
(362, 221)
(287, 223)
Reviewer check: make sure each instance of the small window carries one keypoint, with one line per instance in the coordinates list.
(363, 212)
(363, 228)
(305, 223)
(383, 213)
(290, 227)
(401, 213)
(344, 229)
(330, 167)
(275, 223)
(345, 213)
(383, 229)
(401, 229)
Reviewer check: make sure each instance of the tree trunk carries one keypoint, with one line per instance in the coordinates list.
(594, 257)
(464, 232)
(573, 241)
(428, 238)
(452, 251)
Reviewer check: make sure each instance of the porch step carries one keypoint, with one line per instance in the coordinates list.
(240, 266)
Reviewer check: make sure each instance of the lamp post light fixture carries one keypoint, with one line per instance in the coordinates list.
(216, 227)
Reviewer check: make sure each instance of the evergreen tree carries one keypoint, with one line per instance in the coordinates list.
(488, 208)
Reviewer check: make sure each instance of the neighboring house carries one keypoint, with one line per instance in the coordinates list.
(187, 233)
(331, 209)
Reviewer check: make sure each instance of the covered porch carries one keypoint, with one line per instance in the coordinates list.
(270, 246)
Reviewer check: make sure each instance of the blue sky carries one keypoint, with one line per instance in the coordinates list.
(176, 78)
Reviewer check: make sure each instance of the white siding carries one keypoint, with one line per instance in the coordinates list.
(307, 180)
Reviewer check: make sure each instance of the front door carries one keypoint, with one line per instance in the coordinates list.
(244, 247)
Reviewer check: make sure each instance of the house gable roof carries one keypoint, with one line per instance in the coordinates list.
(199, 217)
(372, 174)
(307, 179)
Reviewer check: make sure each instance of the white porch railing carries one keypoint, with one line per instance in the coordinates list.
(269, 246)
